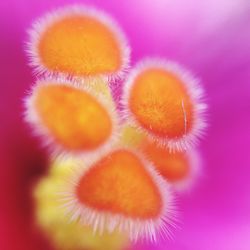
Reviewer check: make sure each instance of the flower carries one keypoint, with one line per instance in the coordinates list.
(211, 39)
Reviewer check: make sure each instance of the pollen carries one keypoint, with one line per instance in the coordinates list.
(160, 103)
(119, 184)
(56, 225)
(130, 136)
(172, 166)
(74, 118)
(80, 44)
(100, 86)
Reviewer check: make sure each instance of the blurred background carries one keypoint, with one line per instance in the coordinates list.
(212, 39)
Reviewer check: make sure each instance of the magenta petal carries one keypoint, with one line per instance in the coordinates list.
(213, 41)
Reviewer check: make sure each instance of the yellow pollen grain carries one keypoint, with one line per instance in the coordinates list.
(130, 136)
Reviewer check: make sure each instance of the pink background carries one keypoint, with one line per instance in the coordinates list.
(211, 38)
